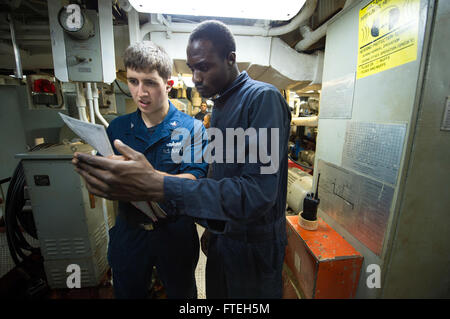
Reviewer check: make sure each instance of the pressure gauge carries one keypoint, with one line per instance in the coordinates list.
(75, 22)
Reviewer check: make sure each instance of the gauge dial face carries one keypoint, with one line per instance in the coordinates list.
(71, 18)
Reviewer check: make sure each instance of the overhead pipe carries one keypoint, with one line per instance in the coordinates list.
(96, 107)
(311, 37)
(305, 13)
(19, 73)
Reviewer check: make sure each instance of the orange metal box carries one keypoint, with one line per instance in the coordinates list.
(323, 264)
(290, 290)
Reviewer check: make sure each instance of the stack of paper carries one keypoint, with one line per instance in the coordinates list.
(96, 136)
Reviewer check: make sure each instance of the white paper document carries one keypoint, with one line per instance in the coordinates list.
(96, 136)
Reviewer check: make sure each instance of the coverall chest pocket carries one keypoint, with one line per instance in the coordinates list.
(165, 159)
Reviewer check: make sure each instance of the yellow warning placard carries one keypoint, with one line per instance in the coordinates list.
(388, 31)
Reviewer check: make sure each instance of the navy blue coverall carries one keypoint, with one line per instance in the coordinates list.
(172, 245)
(244, 208)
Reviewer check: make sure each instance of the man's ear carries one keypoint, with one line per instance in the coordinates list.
(169, 85)
(231, 58)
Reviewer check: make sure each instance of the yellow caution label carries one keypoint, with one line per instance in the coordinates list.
(388, 31)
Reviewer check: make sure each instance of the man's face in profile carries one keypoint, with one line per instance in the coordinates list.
(211, 73)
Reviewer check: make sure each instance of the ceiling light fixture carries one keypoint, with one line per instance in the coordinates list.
(251, 9)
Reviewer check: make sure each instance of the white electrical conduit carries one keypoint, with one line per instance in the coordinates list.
(105, 217)
(90, 102)
(305, 13)
(310, 37)
(83, 115)
(92, 96)
(101, 118)
(81, 103)
(310, 121)
(96, 108)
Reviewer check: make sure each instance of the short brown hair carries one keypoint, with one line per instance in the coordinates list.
(148, 56)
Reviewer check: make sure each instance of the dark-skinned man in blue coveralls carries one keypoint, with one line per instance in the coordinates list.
(136, 242)
(242, 204)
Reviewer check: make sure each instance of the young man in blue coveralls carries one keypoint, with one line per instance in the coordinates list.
(136, 243)
(242, 207)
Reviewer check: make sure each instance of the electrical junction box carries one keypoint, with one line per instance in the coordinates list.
(319, 264)
(70, 222)
(82, 42)
(84, 59)
(44, 92)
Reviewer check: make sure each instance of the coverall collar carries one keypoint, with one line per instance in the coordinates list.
(241, 79)
(170, 122)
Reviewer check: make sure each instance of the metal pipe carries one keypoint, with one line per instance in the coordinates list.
(133, 26)
(305, 13)
(310, 121)
(96, 108)
(81, 103)
(90, 102)
(83, 115)
(310, 37)
(19, 73)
